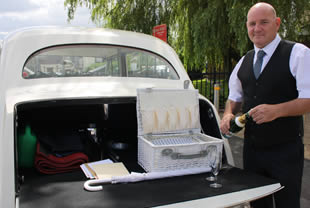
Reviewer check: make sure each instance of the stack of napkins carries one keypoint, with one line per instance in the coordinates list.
(104, 169)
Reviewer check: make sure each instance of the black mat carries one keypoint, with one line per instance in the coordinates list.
(66, 190)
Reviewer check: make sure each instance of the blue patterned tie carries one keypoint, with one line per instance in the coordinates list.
(258, 63)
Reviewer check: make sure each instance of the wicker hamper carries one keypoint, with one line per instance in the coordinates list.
(169, 133)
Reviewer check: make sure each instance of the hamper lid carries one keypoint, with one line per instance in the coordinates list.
(167, 111)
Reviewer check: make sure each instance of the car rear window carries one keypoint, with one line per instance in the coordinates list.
(97, 60)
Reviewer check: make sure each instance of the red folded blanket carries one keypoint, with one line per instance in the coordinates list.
(47, 163)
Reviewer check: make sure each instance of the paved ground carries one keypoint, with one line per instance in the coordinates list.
(236, 144)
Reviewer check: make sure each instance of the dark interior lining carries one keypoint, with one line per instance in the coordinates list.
(119, 115)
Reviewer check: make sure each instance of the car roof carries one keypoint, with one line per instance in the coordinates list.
(45, 36)
(19, 45)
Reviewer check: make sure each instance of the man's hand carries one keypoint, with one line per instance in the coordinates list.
(225, 123)
(264, 113)
(231, 108)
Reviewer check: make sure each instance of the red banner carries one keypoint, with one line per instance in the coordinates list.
(160, 31)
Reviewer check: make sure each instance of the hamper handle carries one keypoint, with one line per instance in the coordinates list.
(176, 156)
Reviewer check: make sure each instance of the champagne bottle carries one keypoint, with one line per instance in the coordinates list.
(238, 123)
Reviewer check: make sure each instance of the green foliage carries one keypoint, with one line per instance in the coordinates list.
(132, 15)
(203, 87)
(201, 31)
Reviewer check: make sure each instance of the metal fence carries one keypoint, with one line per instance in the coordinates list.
(213, 85)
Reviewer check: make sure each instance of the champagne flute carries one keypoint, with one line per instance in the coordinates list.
(211, 156)
(215, 168)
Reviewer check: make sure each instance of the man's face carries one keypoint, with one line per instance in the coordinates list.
(262, 25)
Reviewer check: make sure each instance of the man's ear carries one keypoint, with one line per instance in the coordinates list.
(278, 22)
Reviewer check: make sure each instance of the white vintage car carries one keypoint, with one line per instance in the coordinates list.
(58, 83)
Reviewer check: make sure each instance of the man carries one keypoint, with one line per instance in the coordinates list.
(278, 94)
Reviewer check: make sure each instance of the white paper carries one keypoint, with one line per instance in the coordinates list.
(87, 173)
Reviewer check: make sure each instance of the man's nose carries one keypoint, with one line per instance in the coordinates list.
(257, 27)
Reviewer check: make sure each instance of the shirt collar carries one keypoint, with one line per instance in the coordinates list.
(271, 47)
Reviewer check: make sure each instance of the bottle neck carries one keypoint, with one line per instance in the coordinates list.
(239, 121)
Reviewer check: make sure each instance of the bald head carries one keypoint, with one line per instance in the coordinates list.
(262, 24)
(264, 6)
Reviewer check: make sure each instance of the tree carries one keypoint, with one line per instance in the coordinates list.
(200, 31)
(132, 15)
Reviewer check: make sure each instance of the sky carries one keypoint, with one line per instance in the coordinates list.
(16, 14)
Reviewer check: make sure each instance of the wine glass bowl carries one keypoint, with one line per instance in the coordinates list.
(214, 157)
(215, 168)
(211, 155)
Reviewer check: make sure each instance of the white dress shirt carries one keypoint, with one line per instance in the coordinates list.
(299, 65)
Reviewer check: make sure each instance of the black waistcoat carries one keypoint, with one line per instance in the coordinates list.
(275, 85)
